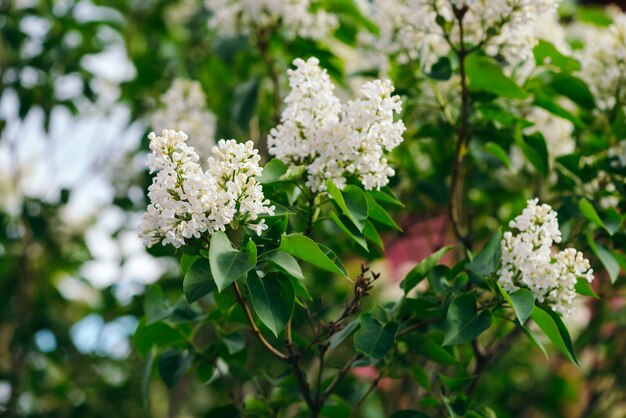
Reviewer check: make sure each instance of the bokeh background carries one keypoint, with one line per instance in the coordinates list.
(79, 84)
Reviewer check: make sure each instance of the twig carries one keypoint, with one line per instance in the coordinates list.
(373, 386)
(255, 330)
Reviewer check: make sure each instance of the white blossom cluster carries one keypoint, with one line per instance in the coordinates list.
(603, 60)
(335, 140)
(188, 202)
(296, 17)
(183, 108)
(528, 260)
(506, 28)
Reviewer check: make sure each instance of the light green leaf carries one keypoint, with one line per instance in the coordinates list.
(286, 263)
(606, 257)
(463, 323)
(373, 338)
(589, 212)
(485, 74)
(497, 151)
(272, 172)
(376, 212)
(522, 301)
(424, 345)
(421, 270)
(552, 325)
(583, 287)
(547, 54)
(227, 263)
(307, 250)
(352, 203)
(273, 299)
(198, 281)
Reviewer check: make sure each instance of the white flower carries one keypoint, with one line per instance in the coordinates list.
(528, 262)
(337, 141)
(297, 17)
(187, 202)
(184, 109)
(409, 28)
(603, 60)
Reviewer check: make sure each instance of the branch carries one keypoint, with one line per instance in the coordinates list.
(255, 330)
(373, 386)
(340, 376)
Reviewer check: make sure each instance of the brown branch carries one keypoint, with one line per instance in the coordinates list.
(339, 377)
(463, 137)
(255, 330)
(361, 401)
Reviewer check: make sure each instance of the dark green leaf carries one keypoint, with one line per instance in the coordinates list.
(245, 102)
(485, 74)
(273, 171)
(535, 150)
(497, 151)
(427, 347)
(273, 299)
(441, 70)
(373, 338)
(379, 214)
(463, 323)
(606, 257)
(354, 234)
(409, 413)
(488, 259)
(198, 281)
(172, 365)
(589, 212)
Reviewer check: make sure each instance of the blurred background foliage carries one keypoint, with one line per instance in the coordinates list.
(79, 81)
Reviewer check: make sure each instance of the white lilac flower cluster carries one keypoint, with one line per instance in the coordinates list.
(409, 28)
(334, 140)
(603, 60)
(296, 17)
(183, 108)
(528, 260)
(187, 202)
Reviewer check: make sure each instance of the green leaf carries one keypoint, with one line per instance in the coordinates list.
(155, 305)
(273, 171)
(488, 259)
(375, 339)
(172, 365)
(146, 378)
(245, 102)
(522, 301)
(186, 260)
(386, 197)
(427, 347)
(352, 203)
(421, 270)
(535, 150)
(372, 234)
(583, 287)
(485, 74)
(307, 250)
(338, 337)
(379, 214)
(612, 221)
(606, 257)
(154, 335)
(547, 54)
(441, 70)
(497, 151)
(463, 323)
(353, 234)
(619, 123)
(227, 263)
(273, 299)
(552, 325)
(535, 341)
(589, 212)
(286, 263)
(198, 281)
(573, 88)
